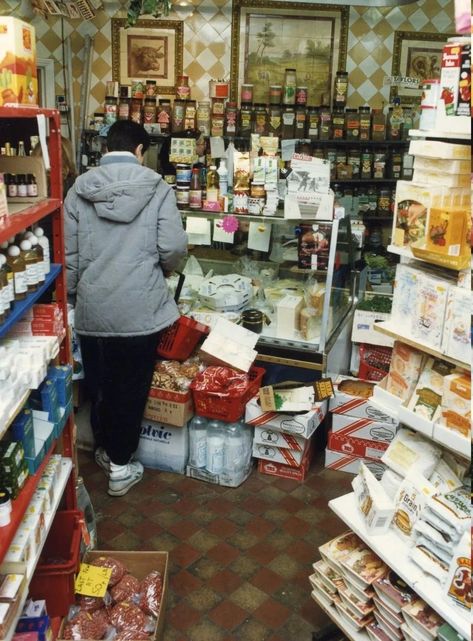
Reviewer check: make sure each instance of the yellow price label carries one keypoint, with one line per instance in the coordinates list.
(92, 580)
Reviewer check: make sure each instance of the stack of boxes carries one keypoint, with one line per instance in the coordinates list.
(360, 431)
(13, 467)
(41, 320)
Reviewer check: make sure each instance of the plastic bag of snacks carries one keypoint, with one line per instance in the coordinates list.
(84, 625)
(125, 589)
(128, 616)
(117, 567)
(176, 376)
(151, 591)
(224, 380)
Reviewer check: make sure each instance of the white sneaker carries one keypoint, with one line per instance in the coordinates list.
(123, 477)
(102, 459)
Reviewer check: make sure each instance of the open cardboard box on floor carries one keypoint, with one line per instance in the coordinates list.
(166, 406)
(140, 564)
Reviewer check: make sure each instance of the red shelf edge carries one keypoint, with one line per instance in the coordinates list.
(19, 221)
(27, 112)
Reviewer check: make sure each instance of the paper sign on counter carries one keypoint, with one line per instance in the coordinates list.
(220, 235)
(198, 231)
(288, 147)
(259, 235)
(92, 580)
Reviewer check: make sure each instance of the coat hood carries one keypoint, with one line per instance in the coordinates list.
(119, 189)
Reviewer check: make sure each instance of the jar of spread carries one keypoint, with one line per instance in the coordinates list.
(246, 93)
(245, 126)
(352, 124)
(289, 90)
(149, 111)
(301, 96)
(163, 115)
(378, 125)
(313, 119)
(275, 94)
(338, 124)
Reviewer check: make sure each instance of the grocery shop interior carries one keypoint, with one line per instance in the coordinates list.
(235, 320)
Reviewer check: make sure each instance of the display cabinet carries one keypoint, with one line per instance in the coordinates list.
(18, 122)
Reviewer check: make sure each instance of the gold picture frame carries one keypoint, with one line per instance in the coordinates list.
(416, 55)
(312, 38)
(150, 50)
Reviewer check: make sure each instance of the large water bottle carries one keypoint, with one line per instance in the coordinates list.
(198, 442)
(215, 446)
(85, 505)
(235, 450)
(248, 433)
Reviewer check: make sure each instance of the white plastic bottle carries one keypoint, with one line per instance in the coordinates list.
(31, 262)
(215, 446)
(38, 251)
(44, 242)
(223, 177)
(234, 459)
(198, 441)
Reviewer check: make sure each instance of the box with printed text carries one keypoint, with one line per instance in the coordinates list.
(303, 425)
(346, 401)
(356, 446)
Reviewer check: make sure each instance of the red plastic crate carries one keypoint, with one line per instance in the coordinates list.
(374, 362)
(178, 341)
(229, 407)
(54, 577)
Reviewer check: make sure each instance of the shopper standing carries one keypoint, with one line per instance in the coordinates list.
(123, 234)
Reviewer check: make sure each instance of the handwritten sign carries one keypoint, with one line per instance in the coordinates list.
(92, 580)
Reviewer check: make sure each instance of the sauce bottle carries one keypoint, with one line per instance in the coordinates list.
(195, 190)
(212, 184)
(44, 243)
(38, 251)
(31, 261)
(17, 265)
(10, 290)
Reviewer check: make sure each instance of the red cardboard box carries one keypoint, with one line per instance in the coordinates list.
(351, 464)
(352, 446)
(363, 428)
(298, 473)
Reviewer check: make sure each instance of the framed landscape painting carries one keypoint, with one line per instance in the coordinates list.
(269, 36)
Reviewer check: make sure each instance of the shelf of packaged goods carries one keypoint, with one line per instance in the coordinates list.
(389, 330)
(441, 135)
(373, 219)
(441, 261)
(20, 504)
(59, 486)
(363, 181)
(395, 553)
(14, 413)
(330, 610)
(215, 215)
(21, 306)
(22, 215)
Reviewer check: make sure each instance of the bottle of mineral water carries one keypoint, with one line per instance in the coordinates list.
(198, 441)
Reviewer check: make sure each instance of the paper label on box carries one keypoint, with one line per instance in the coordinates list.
(92, 580)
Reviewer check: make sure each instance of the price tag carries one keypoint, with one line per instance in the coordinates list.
(92, 580)
(323, 389)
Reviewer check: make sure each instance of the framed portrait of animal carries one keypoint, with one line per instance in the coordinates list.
(151, 50)
(416, 55)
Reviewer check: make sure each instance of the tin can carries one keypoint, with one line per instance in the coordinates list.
(246, 93)
(275, 94)
(301, 96)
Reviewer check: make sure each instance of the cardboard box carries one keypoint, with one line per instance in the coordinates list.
(25, 165)
(275, 438)
(356, 446)
(163, 447)
(351, 464)
(363, 428)
(293, 458)
(140, 564)
(230, 345)
(18, 71)
(172, 408)
(344, 403)
(223, 479)
(303, 425)
(363, 328)
(298, 473)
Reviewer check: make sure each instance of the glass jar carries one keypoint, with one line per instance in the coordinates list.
(325, 128)
(365, 123)
(289, 89)
(246, 93)
(231, 113)
(313, 120)
(299, 127)
(136, 111)
(338, 124)
(124, 91)
(189, 115)
(183, 91)
(149, 111)
(275, 120)
(383, 207)
(98, 121)
(378, 125)
(178, 113)
(203, 117)
(288, 123)
(137, 89)
(150, 88)
(366, 164)
(379, 164)
(218, 106)
(110, 110)
(163, 115)
(352, 124)
(396, 164)
(245, 126)
(124, 109)
(275, 94)
(217, 125)
(260, 119)
(331, 156)
(301, 96)
(340, 90)
(354, 160)
(182, 197)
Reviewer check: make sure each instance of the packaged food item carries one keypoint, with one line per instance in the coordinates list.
(83, 626)
(458, 583)
(125, 589)
(458, 464)
(405, 294)
(394, 591)
(350, 615)
(391, 482)
(374, 503)
(422, 617)
(360, 608)
(424, 530)
(392, 631)
(427, 396)
(410, 501)
(453, 507)
(406, 364)
(447, 531)
(456, 335)
(411, 448)
(430, 563)
(443, 478)
(375, 632)
(446, 233)
(128, 616)
(363, 567)
(89, 603)
(151, 590)
(429, 313)
(334, 551)
(117, 567)
(456, 403)
(439, 552)
(331, 580)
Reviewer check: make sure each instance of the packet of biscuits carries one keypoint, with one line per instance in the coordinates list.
(458, 583)
(410, 500)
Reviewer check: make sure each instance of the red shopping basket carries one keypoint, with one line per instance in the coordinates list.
(227, 407)
(374, 362)
(178, 341)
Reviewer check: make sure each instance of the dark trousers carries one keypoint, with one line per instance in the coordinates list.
(118, 374)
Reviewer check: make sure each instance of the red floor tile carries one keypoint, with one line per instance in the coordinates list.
(222, 528)
(183, 582)
(182, 616)
(267, 580)
(223, 553)
(296, 527)
(254, 505)
(184, 555)
(305, 552)
(219, 506)
(183, 529)
(272, 614)
(291, 504)
(225, 582)
(227, 615)
(262, 552)
(259, 526)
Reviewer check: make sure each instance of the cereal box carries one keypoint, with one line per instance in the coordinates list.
(18, 74)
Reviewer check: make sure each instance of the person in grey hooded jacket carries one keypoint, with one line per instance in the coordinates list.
(123, 234)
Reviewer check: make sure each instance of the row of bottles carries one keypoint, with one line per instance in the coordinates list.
(24, 264)
(219, 447)
(196, 184)
(18, 148)
(21, 185)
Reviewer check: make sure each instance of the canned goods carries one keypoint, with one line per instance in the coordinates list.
(246, 93)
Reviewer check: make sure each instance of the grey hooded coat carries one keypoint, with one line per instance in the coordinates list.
(122, 229)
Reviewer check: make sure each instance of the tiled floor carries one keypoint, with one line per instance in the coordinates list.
(239, 558)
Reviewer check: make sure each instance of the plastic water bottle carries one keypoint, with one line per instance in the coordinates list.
(215, 446)
(223, 177)
(198, 441)
(85, 505)
(234, 459)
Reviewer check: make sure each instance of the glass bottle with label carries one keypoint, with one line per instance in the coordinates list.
(124, 108)
(338, 124)
(325, 128)
(17, 264)
(212, 184)
(31, 261)
(195, 193)
(222, 172)
(288, 122)
(260, 119)
(245, 126)
(275, 94)
(178, 112)
(289, 89)
(313, 120)
(299, 127)
(365, 122)
(378, 125)
(231, 113)
(21, 186)
(275, 120)
(366, 164)
(352, 119)
(340, 90)
(12, 187)
(149, 111)
(136, 114)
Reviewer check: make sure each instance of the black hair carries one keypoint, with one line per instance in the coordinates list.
(126, 135)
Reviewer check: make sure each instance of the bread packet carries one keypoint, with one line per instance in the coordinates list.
(406, 365)
(410, 501)
(410, 448)
(443, 478)
(458, 583)
(429, 562)
(454, 507)
(456, 403)
(423, 530)
(373, 502)
(422, 618)
(427, 396)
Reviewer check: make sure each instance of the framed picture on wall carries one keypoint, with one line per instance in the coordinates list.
(151, 50)
(269, 36)
(416, 55)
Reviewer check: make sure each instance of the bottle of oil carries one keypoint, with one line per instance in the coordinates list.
(9, 293)
(44, 243)
(38, 250)
(17, 264)
(212, 184)
(31, 261)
